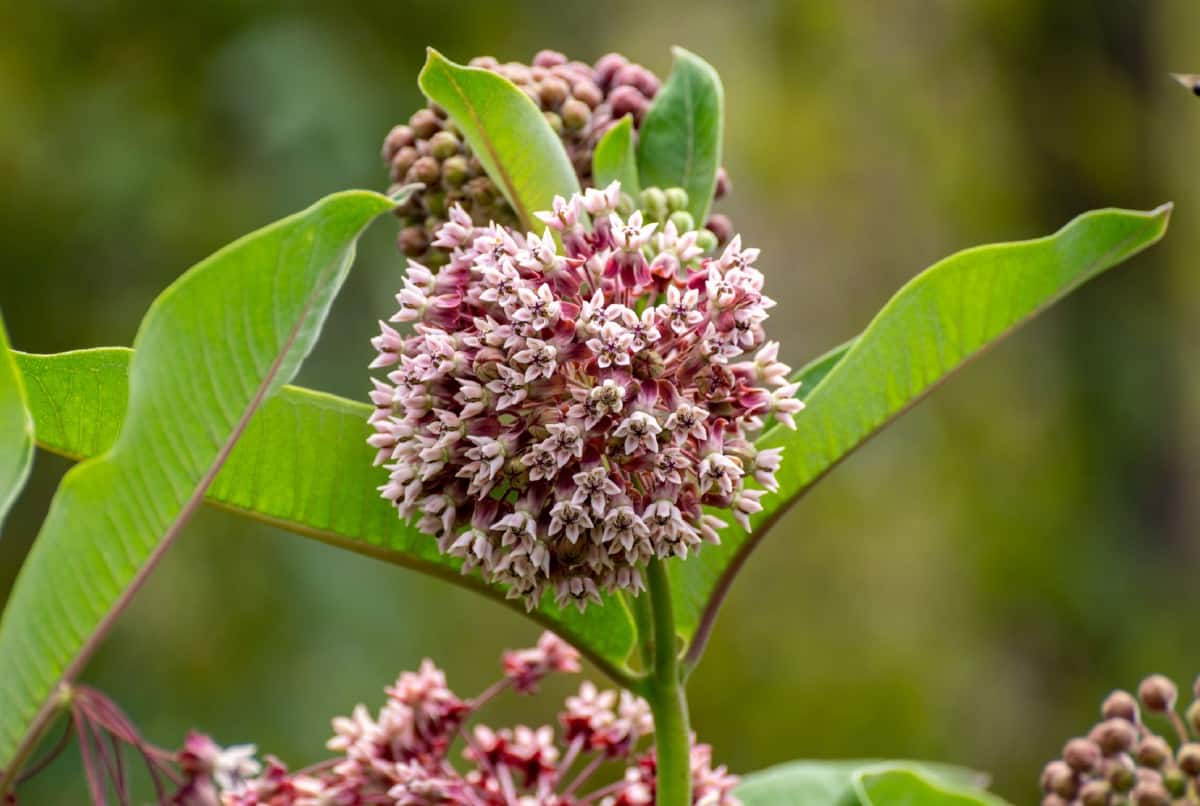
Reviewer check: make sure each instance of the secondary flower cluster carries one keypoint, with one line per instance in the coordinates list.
(581, 102)
(402, 755)
(559, 416)
(1123, 762)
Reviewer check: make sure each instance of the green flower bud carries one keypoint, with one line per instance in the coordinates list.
(706, 240)
(454, 170)
(426, 170)
(683, 220)
(677, 199)
(1120, 774)
(653, 202)
(1193, 716)
(425, 123)
(575, 114)
(443, 145)
(555, 121)
(1175, 782)
(1095, 793)
(626, 206)
(435, 203)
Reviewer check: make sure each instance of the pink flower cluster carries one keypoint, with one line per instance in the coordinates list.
(567, 404)
(402, 756)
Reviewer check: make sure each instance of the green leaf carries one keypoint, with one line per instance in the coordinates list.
(679, 142)
(835, 783)
(931, 328)
(615, 158)
(16, 429)
(505, 130)
(904, 786)
(322, 486)
(218, 342)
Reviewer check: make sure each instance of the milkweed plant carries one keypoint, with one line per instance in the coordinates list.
(576, 410)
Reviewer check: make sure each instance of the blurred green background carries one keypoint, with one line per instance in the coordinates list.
(967, 588)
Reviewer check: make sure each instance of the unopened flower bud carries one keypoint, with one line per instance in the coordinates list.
(653, 202)
(683, 220)
(1193, 716)
(1189, 758)
(402, 160)
(586, 90)
(425, 169)
(634, 75)
(1059, 779)
(1082, 755)
(707, 241)
(443, 145)
(627, 100)
(1114, 736)
(1158, 693)
(454, 170)
(555, 121)
(1175, 782)
(1150, 794)
(425, 123)
(721, 226)
(575, 114)
(1120, 774)
(413, 241)
(1152, 752)
(723, 184)
(549, 58)
(607, 67)
(481, 190)
(677, 199)
(399, 137)
(552, 92)
(1054, 800)
(1120, 705)
(1095, 793)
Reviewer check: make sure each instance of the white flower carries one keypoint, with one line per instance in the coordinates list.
(631, 236)
(234, 766)
(639, 430)
(612, 345)
(509, 387)
(539, 357)
(681, 309)
(688, 420)
(598, 202)
(569, 519)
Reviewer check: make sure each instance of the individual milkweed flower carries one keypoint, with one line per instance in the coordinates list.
(559, 414)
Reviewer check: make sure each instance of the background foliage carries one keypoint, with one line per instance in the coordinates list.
(965, 589)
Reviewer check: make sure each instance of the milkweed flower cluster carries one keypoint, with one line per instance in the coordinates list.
(1123, 761)
(560, 415)
(402, 755)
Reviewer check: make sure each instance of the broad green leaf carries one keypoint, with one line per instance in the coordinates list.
(218, 342)
(679, 142)
(891, 785)
(505, 130)
(615, 159)
(932, 327)
(16, 429)
(832, 783)
(322, 486)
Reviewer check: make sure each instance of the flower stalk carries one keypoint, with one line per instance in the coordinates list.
(667, 698)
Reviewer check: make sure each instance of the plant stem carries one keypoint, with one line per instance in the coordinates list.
(665, 692)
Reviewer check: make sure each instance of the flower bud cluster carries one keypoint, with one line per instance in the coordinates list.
(402, 755)
(1123, 761)
(580, 101)
(559, 416)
